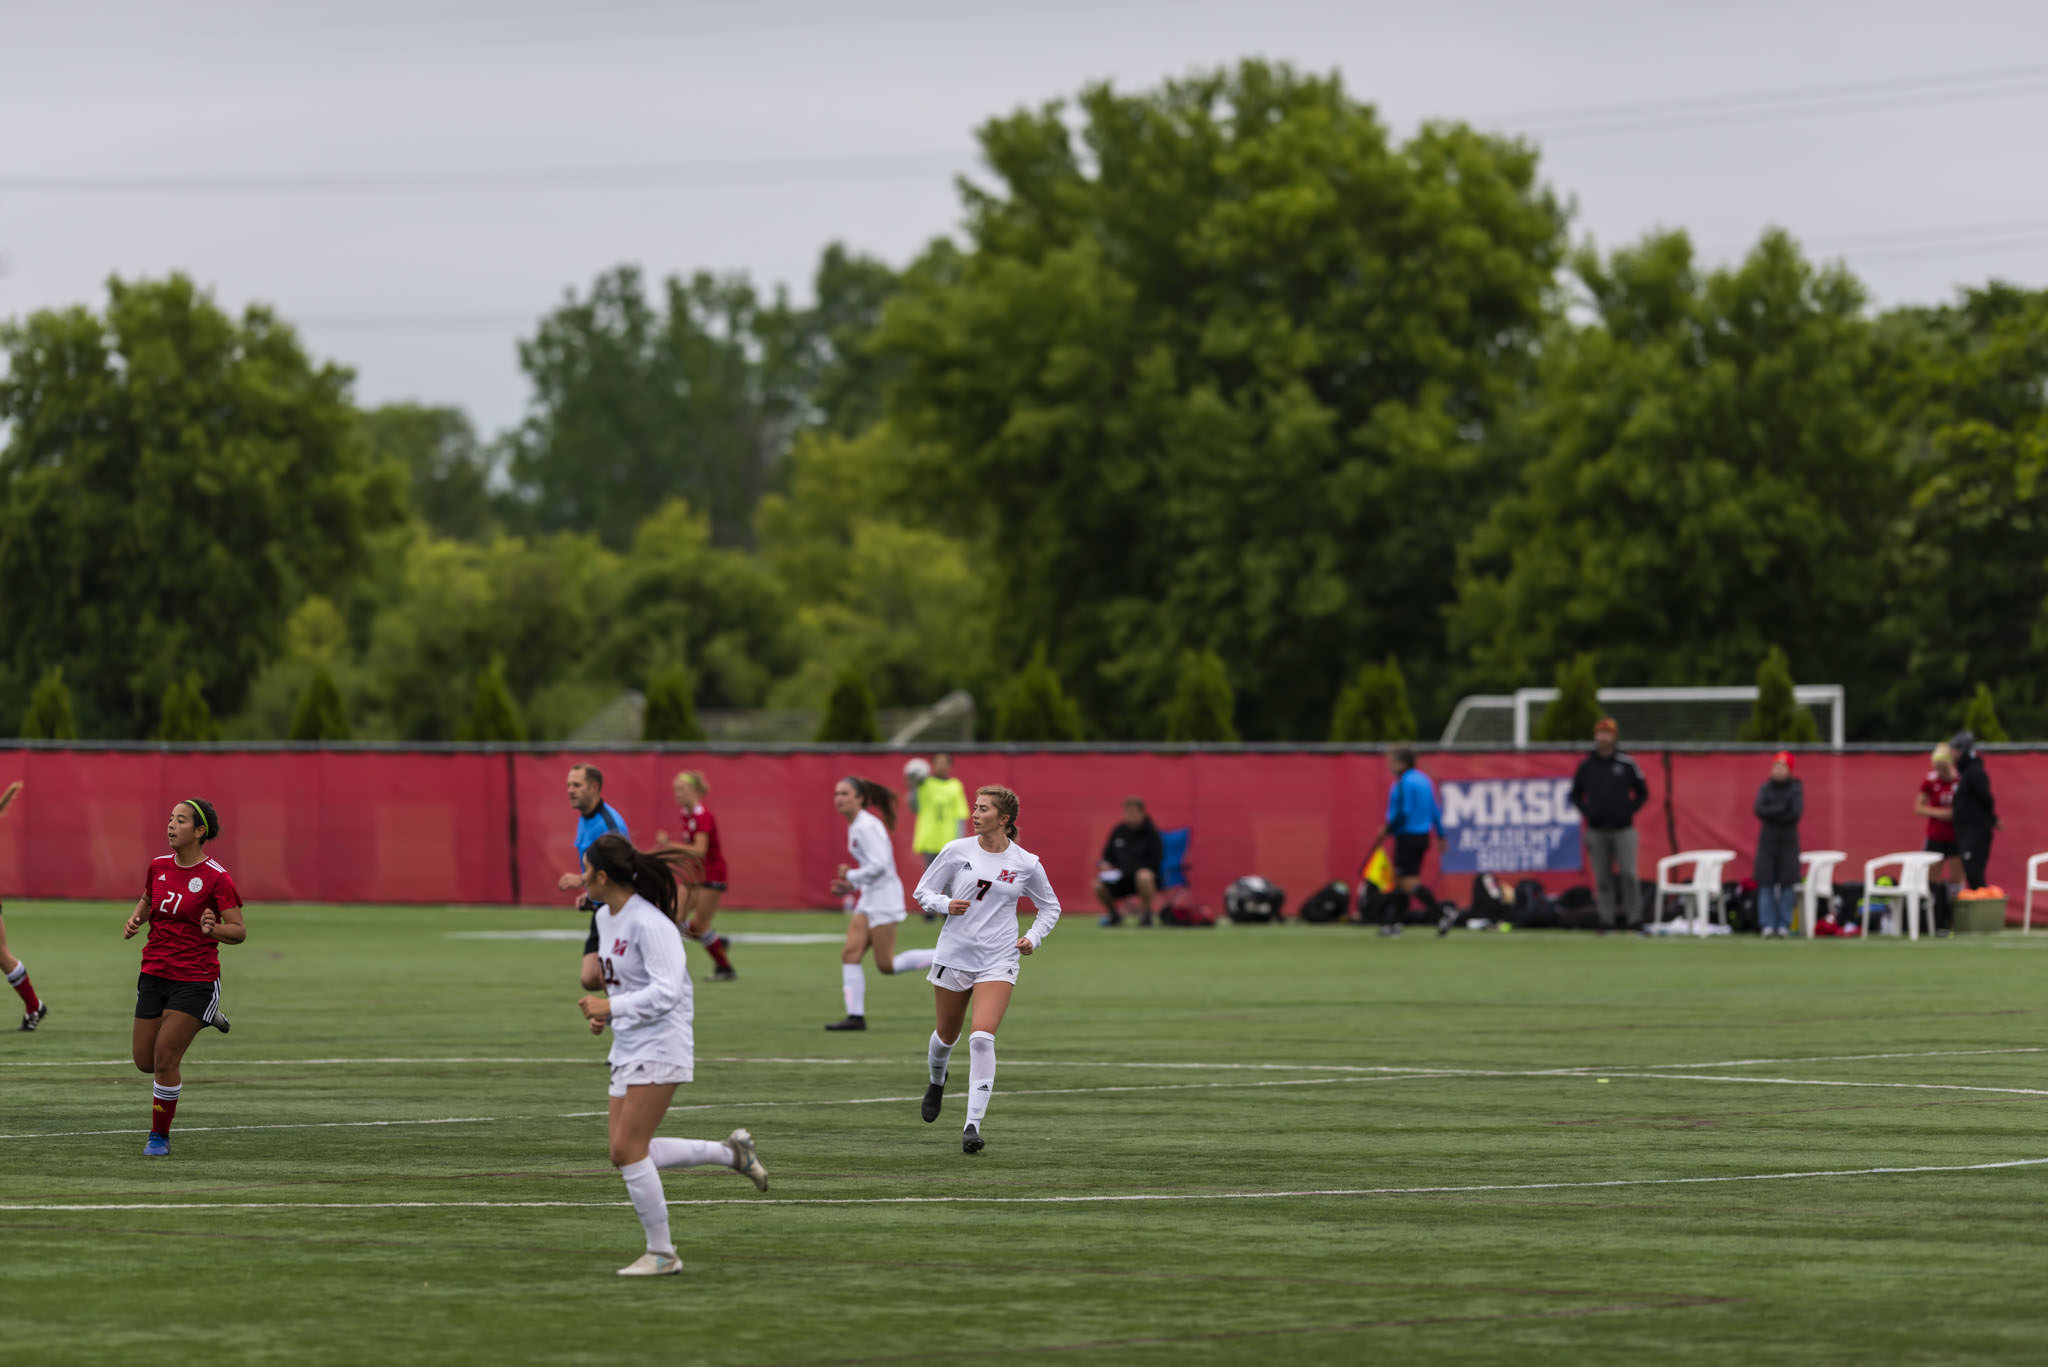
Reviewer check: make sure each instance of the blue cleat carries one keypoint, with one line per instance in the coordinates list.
(159, 1146)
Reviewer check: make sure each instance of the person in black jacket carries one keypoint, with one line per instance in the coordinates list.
(1975, 814)
(1780, 802)
(1609, 789)
(1130, 864)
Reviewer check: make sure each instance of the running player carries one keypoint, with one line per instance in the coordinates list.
(976, 882)
(595, 818)
(879, 910)
(700, 842)
(191, 908)
(33, 1008)
(653, 1050)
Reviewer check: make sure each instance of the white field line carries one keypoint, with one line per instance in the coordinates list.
(741, 937)
(291, 1125)
(1100, 1199)
(1829, 1082)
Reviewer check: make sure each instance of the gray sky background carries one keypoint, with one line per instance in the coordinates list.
(851, 118)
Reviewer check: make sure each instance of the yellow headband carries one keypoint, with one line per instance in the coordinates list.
(205, 827)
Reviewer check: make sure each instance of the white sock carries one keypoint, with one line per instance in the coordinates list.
(20, 971)
(650, 1203)
(981, 1074)
(853, 984)
(689, 1153)
(938, 1053)
(163, 1093)
(913, 960)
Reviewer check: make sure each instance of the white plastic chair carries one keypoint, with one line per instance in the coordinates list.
(2035, 883)
(1819, 883)
(1911, 889)
(1704, 887)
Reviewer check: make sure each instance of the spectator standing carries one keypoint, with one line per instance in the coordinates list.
(1412, 817)
(1130, 863)
(1974, 813)
(1780, 802)
(1608, 790)
(1936, 802)
(941, 806)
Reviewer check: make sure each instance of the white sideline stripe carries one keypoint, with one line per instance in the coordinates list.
(743, 937)
(292, 1125)
(1101, 1199)
(1829, 1082)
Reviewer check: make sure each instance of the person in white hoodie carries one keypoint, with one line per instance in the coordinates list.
(976, 883)
(870, 813)
(640, 962)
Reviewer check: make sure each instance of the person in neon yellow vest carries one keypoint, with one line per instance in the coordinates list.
(941, 805)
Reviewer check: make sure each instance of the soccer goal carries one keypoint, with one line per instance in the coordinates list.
(1647, 716)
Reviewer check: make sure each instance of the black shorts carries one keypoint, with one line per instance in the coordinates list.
(1409, 852)
(1127, 886)
(1947, 849)
(154, 996)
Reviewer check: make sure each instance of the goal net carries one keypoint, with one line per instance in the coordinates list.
(1647, 716)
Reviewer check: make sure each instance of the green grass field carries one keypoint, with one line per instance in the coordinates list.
(1240, 1145)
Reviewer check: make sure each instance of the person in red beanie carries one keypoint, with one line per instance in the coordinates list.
(1780, 802)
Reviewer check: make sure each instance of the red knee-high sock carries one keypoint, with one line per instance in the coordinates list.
(163, 1107)
(18, 980)
(714, 945)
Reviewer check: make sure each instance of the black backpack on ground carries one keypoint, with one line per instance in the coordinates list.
(1326, 904)
(1253, 901)
(1534, 908)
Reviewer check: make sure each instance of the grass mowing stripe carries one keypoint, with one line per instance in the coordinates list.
(1091, 1199)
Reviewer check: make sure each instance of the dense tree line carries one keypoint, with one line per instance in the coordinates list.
(1226, 414)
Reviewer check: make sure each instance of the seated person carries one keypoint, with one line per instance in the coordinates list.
(1130, 864)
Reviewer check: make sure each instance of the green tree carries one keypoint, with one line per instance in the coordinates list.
(1374, 707)
(320, 715)
(1202, 702)
(172, 481)
(842, 373)
(494, 716)
(1980, 719)
(1700, 445)
(185, 716)
(1033, 705)
(1778, 715)
(1212, 356)
(849, 714)
(1573, 713)
(670, 716)
(49, 709)
(449, 471)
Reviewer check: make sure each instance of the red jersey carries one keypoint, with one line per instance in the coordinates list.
(1939, 792)
(698, 821)
(176, 897)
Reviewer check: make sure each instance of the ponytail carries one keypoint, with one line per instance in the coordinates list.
(877, 799)
(653, 876)
(1006, 804)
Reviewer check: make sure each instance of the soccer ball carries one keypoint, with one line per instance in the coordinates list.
(916, 771)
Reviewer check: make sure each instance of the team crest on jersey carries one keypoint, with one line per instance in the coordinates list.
(618, 948)
(1007, 876)
(195, 885)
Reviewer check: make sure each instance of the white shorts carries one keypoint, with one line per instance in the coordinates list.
(882, 916)
(651, 1072)
(962, 979)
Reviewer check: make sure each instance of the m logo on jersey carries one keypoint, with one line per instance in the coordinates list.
(618, 949)
(1007, 876)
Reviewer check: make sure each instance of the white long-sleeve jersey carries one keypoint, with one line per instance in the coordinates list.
(872, 856)
(985, 935)
(640, 952)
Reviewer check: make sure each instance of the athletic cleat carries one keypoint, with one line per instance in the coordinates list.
(31, 1019)
(1388, 929)
(934, 1097)
(158, 1146)
(971, 1140)
(746, 1161)
(653, 1265)
(219, 1020)
(1446, 921)
(724, 975)
(850, 1023)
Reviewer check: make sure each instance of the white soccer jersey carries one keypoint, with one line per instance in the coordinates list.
(985, 935)
(873, 859)
(641, 954)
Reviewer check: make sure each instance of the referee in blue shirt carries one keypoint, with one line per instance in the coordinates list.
(1412, 817)
(595, 818)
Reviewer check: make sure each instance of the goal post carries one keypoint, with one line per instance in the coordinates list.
(1707, 715)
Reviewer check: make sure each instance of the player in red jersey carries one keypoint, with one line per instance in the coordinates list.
(700, 840)
(191, 908)
(33, 1008)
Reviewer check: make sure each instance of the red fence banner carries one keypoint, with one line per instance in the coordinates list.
(495, 826)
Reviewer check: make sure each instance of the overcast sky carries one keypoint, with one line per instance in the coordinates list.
(847, 119)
